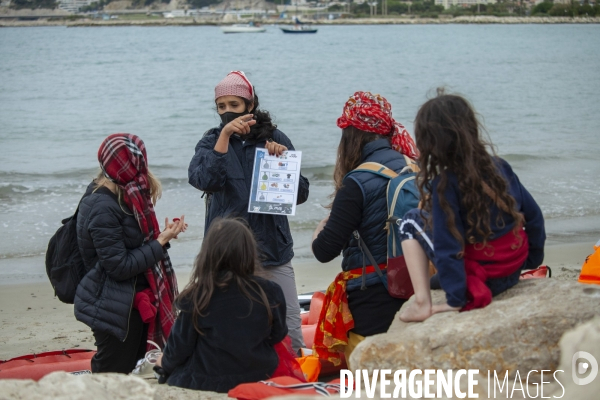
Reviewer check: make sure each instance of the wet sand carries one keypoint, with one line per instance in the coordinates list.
(32, 320)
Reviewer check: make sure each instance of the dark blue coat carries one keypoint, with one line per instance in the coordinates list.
(374, 216)
(451, 268)
(228, 178)
(113, 251)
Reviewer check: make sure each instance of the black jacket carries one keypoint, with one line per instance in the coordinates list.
(228, 177)
(236, 345)
(111, 245)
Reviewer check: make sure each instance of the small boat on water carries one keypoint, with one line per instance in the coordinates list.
(298, 27)
(243, 28)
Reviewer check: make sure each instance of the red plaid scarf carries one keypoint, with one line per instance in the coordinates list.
(372, 113)
(123, 159)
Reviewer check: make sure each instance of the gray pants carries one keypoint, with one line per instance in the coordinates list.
(284, 276)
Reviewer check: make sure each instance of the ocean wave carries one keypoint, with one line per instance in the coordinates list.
(39, 176)
(555, 158)
(13, 191)
(528, 157)
(319, 173)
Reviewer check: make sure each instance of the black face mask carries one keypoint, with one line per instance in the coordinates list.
(227, 117)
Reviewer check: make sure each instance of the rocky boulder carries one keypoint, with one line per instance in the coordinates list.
(584, 338)
(519, 331)
(64, 386)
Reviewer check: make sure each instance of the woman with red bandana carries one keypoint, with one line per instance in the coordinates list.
(369, 134)
(222, 167)
(126, 296)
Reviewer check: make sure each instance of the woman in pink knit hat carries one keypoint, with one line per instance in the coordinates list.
(222, 168)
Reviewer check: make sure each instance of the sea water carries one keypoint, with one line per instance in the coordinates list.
(62, 90)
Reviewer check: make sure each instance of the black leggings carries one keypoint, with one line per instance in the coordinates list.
(116, 356)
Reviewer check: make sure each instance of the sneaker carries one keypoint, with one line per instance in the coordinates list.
(304, 352)
(144, 366)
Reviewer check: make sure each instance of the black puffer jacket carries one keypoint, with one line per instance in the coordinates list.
(111, 244)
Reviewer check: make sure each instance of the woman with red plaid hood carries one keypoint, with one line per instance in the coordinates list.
(369, 134)
(127, 293)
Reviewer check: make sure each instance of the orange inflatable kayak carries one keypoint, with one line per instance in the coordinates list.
(36, 366)
(309, 327)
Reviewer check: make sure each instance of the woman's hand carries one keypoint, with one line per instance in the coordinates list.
(172, 229)
(274, 148)
(240, 125)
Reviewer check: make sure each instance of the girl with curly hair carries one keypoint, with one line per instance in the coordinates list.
(478, 224)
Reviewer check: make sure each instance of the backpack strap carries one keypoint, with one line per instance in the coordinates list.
(365, 250)
(377, 169)
(396, 194)
(411, 165)
(74, 216)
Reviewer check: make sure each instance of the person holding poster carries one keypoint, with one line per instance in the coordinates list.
(222, 167)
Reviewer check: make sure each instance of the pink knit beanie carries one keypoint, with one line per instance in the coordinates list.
(235, 84)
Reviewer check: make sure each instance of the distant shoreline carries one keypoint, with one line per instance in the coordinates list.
(57, 21)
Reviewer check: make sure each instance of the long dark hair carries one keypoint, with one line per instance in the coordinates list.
(449, 139)
(349, 153)
(264, 127)
(228, 257)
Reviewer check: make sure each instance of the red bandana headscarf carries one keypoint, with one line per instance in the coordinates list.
(372, 113)
(123, 160)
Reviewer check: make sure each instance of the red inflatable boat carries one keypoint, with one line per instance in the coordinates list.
(35, 366)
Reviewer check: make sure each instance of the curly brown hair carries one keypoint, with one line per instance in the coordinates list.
(448, 136)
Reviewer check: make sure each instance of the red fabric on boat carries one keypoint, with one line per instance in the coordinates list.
(288, 365)
(260, 390)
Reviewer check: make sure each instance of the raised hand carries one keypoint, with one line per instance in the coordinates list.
(172, 229)
(240, 125)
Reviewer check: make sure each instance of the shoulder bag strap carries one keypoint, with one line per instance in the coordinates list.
(365, 250)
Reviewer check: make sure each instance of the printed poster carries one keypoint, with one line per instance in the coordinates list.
(275, 182)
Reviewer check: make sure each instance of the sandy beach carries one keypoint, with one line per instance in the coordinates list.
(34, 321)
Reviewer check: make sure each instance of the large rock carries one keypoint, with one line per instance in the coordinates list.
(585, 337)
(63, 386)
(520, 330)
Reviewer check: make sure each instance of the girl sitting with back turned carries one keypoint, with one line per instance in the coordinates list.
(229, 318)
(479, 225)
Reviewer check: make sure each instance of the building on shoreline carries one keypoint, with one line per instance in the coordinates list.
(73, 5)
(463, 3)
